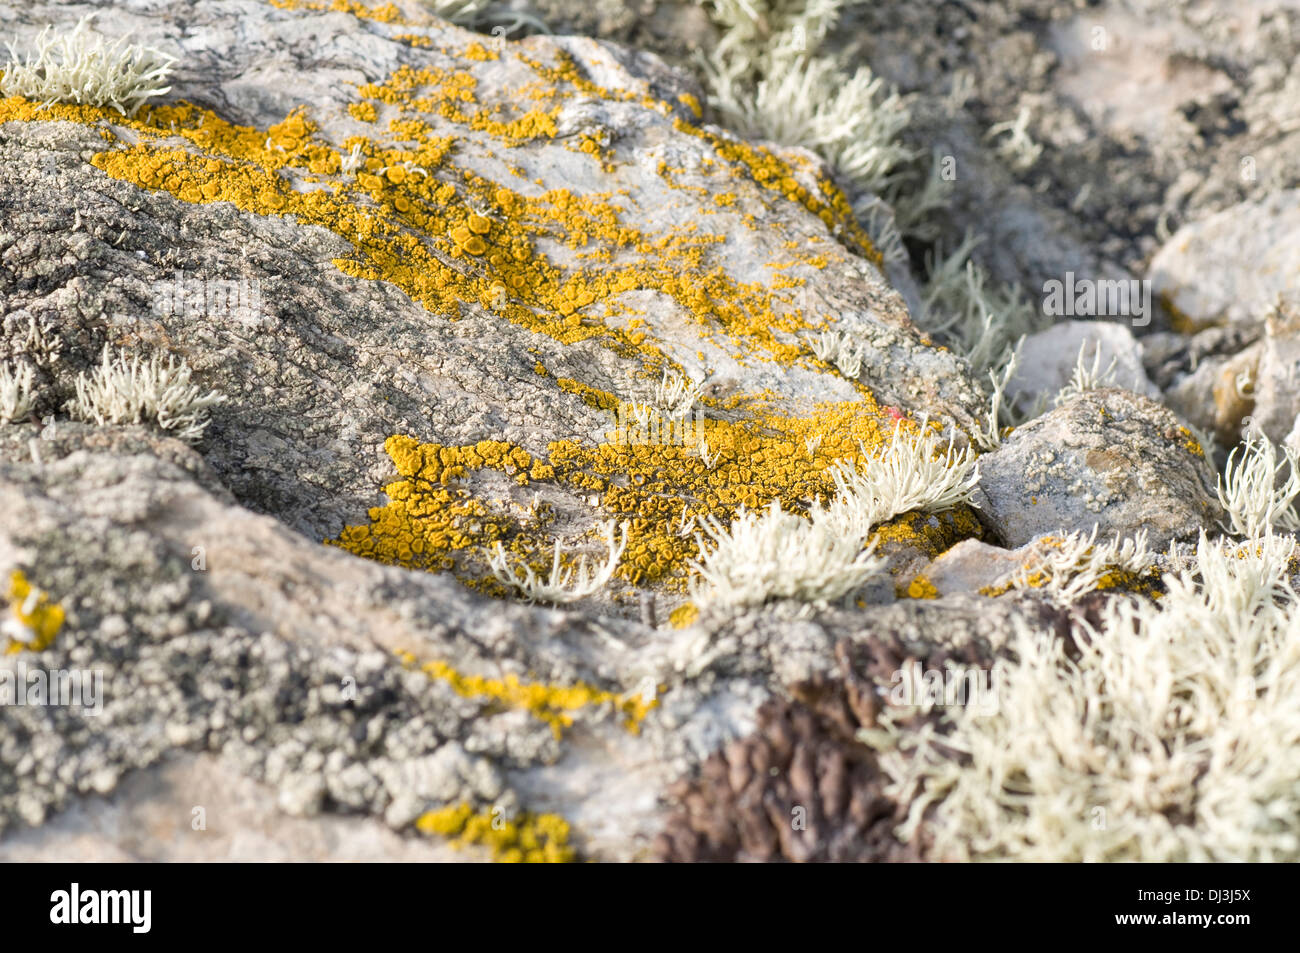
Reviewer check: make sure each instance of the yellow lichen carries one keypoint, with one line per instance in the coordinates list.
(31, 610)
(549, 703)
(449, 237)
(683, 616)
(528, 838)
(922, 588)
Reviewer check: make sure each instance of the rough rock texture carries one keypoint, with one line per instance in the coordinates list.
(199, 808)
(1149, 115)
(1235, 385)
(1107, 458)
(465, 259)
(1274, 385)
(194, 580)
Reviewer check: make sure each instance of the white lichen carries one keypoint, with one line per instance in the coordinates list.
(16, 396)
(126, 390)
(1168, 732)
(1258, 491)
(776, 555)
(1086, 377)
(989, 436)
(979, 317)
(1018, 148)
(841, 349)
(563, 584)
(1066, 567)
(767, 82)
(913, 473)
(676, 396)
(84, 68)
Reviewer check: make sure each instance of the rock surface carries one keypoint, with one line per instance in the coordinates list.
(1232, 267)
(1048, 359)
(1107, 458)
(435, 275)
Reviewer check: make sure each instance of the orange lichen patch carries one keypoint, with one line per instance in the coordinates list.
(527, 838)
(480, 53)
(34, 620)
(830, 204)
(921, 588)
(414, 39)
(927, 534)
(555, 261)
(414, 219)
(411, 228)
(1191, 444)
(422, 527)
(382, 14)
(656, 488)
(683, 616)
(17, 109)
(363, 112)
(552, 704)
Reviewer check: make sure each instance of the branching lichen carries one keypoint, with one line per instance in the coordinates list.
(131, 391)
(1160, 734)
(777, 555)
(84, 68)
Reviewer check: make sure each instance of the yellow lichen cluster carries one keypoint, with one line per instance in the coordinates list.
(549, 703)
(386, 13)
(922, 588)
(556, 262)
(530, 838)
(656, 488)
(39, 618)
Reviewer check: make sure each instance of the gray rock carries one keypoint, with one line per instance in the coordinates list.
(1108, 458)
(970, 566)
(1275, 385)
(1048, 358)
(151, 817)
(1232, 267)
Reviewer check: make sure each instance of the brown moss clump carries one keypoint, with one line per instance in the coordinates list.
(802, 788)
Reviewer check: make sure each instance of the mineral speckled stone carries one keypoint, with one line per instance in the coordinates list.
(1106, 458)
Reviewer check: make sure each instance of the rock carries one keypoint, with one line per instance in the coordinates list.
(1048, 358)
(1108, 458)
(970, 566)
(430, 270)
(199, 808)
(1231, 267)
(1219, 395)
(1256, 387)
(1275, 384)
